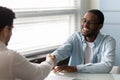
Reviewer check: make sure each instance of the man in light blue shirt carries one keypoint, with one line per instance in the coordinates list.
(102, 52)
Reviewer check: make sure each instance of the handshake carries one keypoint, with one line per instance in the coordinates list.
(51, 59)
(63, 68)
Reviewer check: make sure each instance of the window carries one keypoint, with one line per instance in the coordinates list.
(41, 24)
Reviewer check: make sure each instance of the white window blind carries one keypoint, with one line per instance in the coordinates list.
(41, 24)
(38, 4)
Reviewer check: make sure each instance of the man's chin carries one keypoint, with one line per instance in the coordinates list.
(86, 35)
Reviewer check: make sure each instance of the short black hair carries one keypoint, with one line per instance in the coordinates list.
(6, 17)
(99, 14)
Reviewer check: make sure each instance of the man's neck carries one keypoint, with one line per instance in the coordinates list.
(91, 38)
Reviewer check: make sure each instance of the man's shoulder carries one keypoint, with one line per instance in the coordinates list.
(108, 37)
(13, 53)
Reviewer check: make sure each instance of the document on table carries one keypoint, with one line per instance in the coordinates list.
(57, 76)
(62, 76)
(81, 76)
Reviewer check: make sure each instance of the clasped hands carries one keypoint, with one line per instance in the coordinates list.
(62, 68)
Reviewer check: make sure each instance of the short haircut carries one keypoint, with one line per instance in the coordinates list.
(99, 14)
(6, 17)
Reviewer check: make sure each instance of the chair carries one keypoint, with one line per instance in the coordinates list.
(115, 70)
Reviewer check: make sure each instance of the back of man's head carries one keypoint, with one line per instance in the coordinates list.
(6, 17)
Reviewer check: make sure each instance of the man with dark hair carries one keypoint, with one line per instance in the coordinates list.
(89, 50)
(12, 64)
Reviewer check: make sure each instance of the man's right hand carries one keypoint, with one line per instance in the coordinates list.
(50, 56)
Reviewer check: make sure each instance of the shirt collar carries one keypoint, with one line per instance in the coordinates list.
(98, 38)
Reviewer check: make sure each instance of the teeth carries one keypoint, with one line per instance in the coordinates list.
(85, 28)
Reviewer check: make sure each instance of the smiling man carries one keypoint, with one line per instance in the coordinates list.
(89, 50)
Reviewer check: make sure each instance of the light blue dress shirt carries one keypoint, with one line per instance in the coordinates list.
(103, 53)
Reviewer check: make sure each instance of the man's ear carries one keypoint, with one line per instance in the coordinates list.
(6, 28)
(3, 33)
(100, 26)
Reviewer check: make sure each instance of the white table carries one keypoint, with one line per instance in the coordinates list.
(82, 76)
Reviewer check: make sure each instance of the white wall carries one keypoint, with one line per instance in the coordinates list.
(111, 11)
(89, 4)
(94, 4)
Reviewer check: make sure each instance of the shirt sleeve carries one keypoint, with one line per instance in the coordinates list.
(107, 60)
(26, 70)
(64, 51)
